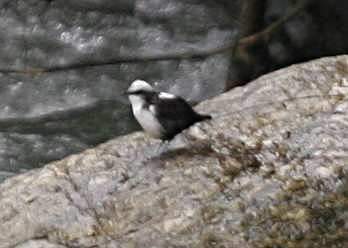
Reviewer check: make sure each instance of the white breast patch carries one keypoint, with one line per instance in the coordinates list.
(148, 122)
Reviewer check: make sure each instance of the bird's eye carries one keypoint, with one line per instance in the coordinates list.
(133, 92)
(138, 92)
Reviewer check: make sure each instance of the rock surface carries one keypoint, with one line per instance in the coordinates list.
(270, 170)
(39, 108)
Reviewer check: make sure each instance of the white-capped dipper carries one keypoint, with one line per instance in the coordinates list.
(160, 114)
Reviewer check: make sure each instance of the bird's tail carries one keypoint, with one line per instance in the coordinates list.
(204, 117)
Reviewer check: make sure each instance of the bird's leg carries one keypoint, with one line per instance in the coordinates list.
(157, 151)
(163, 147)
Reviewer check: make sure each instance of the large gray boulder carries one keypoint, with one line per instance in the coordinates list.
(63, 112)
(270, 170)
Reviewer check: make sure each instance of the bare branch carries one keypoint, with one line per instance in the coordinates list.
(127, 59)
(251, 16)
(265, 34)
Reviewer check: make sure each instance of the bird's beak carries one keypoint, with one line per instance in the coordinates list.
(126, 93)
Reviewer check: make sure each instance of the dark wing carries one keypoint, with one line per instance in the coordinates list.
(174, 114)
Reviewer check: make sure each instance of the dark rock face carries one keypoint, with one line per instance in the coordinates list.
(270, 170)
(321, 29)
(69, 105)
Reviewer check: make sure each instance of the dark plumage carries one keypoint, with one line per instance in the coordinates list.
(175, 115)
(161, 114)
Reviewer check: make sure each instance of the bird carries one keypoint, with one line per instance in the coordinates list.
(162, 115)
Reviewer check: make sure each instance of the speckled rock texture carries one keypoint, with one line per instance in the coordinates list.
(270, 170)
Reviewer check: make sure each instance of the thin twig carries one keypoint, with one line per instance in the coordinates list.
(126, 59)
(265, 34)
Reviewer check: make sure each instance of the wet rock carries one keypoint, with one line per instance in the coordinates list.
(270, 170)
(71, 103)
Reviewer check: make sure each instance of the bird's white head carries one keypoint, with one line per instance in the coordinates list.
(137, 92)
(139, 86)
